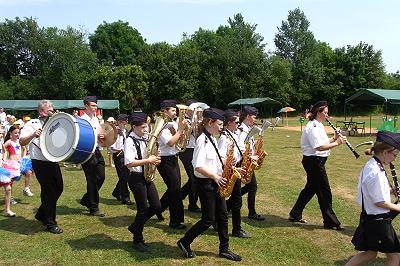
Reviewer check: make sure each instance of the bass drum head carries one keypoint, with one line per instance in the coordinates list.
(59, 137)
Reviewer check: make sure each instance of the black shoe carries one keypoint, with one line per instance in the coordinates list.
(257, 217)
(160, 217)
(97, 213)
(179, 226)
(297, 220)
(127, 202)
(241, 234)
(334, 227)
(194, 209)
(54, 229)
(81, 202)
(227, 254)
(186, 251)
(140, 246)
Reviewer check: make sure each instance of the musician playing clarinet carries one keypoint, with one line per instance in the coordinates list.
(47, 173)
(316, 147)
(207, 163)
(375, 232)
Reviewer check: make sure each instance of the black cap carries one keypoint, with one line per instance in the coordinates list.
(214, 113)
(230, 113)
(317, 106)
(390, 138)
(88, 99)
(250, 110)
(122, 117)
(168, 103)
(138, 118)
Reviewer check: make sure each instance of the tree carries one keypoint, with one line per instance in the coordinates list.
(116, 43)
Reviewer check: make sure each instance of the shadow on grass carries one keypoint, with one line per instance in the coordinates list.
(119, 221)
(108, 201)
(21, 225)
(105, 242)
(278, 221)
(65, 210)
(377, 261)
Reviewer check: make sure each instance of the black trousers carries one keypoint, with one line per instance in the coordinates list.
(121, 190)
(317, 183)
(147, 203)
(234, 203)
(50, 179)
(213, 209)
(171, 199)
(251, 190)
(94, 170)
(189, 189)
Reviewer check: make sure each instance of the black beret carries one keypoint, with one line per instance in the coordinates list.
(88, 99)
(230, 113)
(214, 113)
(122, 117)
(168, 103)
(390, 138)
(316, 106)
(250, 110)
(138, 117)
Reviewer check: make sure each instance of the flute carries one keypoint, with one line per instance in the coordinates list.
(393, 214)
(347, 142)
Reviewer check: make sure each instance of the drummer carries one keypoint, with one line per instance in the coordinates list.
(94, 168)
(47, 173)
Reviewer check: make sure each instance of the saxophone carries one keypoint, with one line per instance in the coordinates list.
(152, 146)
(248, 164)
(259, 150)
(229, 173)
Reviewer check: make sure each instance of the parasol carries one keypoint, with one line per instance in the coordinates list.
(286, 110)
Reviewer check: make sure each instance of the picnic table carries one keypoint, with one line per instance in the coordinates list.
(352, 127)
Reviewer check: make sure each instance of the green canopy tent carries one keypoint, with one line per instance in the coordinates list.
(255, 101)
(373, 97)
(58, 104)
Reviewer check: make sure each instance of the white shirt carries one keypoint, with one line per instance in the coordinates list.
(3, 118)
(119, 143)
(375, 187)
(245, 130)
(314, 136)
(94, 121)
(34, 146)
(204, 155)
(166, 136)
(225, 142)
(130, 152)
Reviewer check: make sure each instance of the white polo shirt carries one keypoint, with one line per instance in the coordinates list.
(165, 136)
(314, 136)
(225, 142)
(204, 155)
(34, 146)
(375, 187)
(130, 152)
(243, 132)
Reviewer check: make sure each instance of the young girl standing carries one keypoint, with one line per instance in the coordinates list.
(207, 164)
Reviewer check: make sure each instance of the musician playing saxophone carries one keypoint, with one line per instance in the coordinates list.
(145, 193)
(316, 147)
(207, 163)
(248, 118)
(231, 134)
(375, 232)
(169, 168)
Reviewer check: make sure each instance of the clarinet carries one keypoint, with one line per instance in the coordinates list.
(393, 214)
(347, 142)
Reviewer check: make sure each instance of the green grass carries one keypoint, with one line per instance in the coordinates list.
(90, 240)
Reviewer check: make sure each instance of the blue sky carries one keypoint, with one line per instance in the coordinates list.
(337, 22)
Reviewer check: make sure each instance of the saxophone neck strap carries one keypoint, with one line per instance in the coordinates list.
(208, 135)
(234, 141)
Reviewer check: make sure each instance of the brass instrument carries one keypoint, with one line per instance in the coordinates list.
(197, 117)
(183, 141)
(259, 151)
(248, 164)
(110, 133)
(152, 146)
(229, 173)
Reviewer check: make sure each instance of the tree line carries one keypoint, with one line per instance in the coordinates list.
(213, 66)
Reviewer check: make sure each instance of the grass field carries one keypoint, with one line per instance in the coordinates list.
(91, 240)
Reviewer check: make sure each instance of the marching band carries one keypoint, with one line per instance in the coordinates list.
(220, 155)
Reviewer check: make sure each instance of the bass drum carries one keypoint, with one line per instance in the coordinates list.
(67, 139)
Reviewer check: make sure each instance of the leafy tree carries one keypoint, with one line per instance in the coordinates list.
(392, 81)
(116, 43)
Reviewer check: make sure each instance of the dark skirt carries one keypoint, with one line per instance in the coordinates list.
(376, 233)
